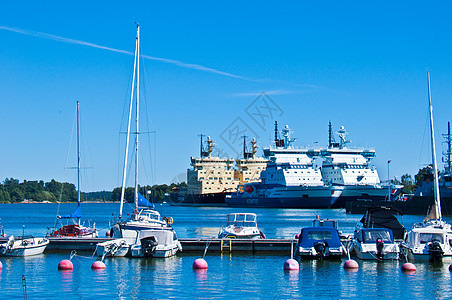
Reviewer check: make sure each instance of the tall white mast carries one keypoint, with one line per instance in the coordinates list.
(137, 116)
(435, 168)
(124, 175)
(78, 156)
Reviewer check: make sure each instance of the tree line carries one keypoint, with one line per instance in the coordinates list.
(13, 191)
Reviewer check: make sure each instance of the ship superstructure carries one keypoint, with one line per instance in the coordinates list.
(351, 168)
(210, 174)
(290, 179)
(251, 166)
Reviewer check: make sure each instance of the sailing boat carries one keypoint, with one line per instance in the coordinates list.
(75, 230)
(146, 232)
(430, 240)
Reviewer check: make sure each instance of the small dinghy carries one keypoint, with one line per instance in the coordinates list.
(23, 246)
(375, 244)
(114, 248)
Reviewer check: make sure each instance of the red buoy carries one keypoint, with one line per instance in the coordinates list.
(291, 265)
(200, 263)
(65, 265)
(351, 264)
(297, 236)
(98, 265)
(408, 267)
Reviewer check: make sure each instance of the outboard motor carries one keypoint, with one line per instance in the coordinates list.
(148, 245)
(380, 247)
(8, 246)
(435, 251)
(320, 248)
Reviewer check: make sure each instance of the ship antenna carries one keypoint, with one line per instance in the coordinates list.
(330, 135)
(276, 132)
(448, 152)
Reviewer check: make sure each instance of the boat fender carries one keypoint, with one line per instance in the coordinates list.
(262, 235)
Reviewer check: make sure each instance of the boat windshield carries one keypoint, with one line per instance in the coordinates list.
(319, 235)
(371, 236)
(425, 238)
(242, 220)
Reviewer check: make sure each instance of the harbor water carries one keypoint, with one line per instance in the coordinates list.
(228, 276)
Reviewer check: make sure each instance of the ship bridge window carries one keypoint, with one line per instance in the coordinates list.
(201, 178)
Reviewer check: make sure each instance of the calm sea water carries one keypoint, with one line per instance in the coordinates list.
(229, 276)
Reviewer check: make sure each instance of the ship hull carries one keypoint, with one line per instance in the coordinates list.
(212, 199)
(362, 192)
(286, 197)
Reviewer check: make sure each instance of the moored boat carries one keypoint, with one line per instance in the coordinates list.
(430, 240)
(375, 244)
(146, 232)
(113, 248)
(241, 226)
(75, 230)
(319, 243)
(23, 246)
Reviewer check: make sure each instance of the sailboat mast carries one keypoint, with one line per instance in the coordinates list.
(435, 168)
(124, 174)
(136, 118)
(78, 156)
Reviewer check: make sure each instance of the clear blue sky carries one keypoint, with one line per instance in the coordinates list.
(360, 64)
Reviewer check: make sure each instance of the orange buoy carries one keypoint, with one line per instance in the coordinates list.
(65, 265)
(98, 265)
(199, 263)
(408, 267)
(351, 264)
(291, 265)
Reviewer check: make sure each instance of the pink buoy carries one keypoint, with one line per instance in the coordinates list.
(297, 236)
(107, 234)
(351, 264)
(1, 265)
(409, 267)
(98, 265)
(200, 263)
(291, 265)
(65, 265)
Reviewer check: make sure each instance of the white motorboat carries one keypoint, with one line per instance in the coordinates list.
(155, 243)
(113, 248)
(241, 226)
(430, 240)
(375, 244)
(23, 246)
(145, 223)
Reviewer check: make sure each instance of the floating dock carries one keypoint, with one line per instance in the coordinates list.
(274, 246)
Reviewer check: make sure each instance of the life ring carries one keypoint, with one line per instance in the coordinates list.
(231, 237)
(170, 220)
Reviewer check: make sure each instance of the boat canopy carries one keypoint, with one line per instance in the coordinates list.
(384, 217)
(310, 235)
(371, 235)
(76, 214)
(143, 202)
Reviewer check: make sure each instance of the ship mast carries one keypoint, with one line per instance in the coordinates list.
(78, 157)
(435, 168)
(136, 118)
(124, 174)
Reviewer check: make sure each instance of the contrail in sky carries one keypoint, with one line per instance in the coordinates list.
(165, 60)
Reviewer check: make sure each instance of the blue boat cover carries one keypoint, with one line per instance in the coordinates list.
(311, 235)
(76, 214)
(144, 202)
